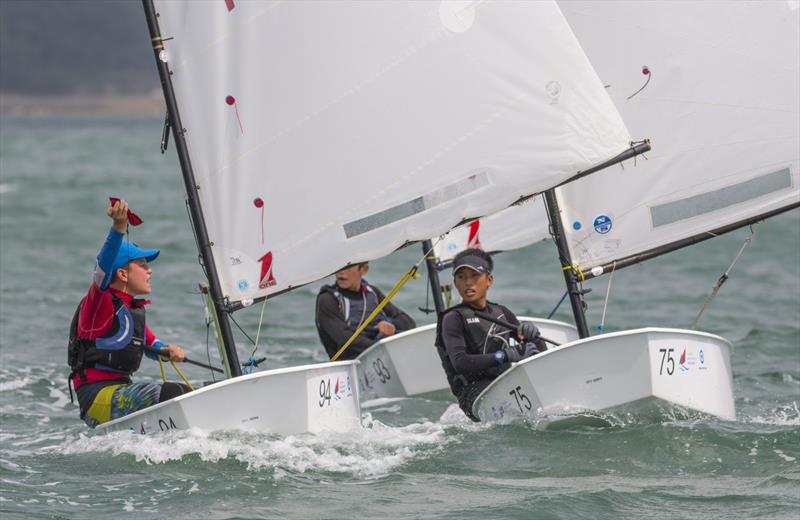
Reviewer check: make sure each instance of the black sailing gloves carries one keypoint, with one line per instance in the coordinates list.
(531, 344)
(529, 349)
(529, 332)
(525, 349)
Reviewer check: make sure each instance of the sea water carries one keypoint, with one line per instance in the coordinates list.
(414, 458)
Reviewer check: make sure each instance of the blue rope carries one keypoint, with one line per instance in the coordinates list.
(558, 304)
(251, 363)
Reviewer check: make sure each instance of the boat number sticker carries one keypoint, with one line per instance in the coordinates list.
(164, 425)
(522, 400)
(381, 370)
(667, 360)
(602, 224)
(325, 392)
(681, 361)
(333, 389)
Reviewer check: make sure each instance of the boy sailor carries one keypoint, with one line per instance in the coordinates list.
(109, 330)
(343, 306)
(473, 350)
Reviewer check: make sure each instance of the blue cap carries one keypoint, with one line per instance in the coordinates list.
(129, 251)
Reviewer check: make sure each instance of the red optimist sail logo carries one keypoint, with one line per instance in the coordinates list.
(267, 280)
(473, 241)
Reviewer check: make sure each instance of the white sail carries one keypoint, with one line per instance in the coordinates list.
(515, 227)
(723, 121)
(721, 110)
(323, 133)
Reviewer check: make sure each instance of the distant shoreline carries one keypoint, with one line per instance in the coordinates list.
(93, 106)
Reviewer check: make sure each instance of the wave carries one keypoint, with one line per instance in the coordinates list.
(785, 415)
(369, 452)
(7, 386)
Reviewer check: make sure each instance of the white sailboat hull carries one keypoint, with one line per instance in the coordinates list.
(678, 367)
(286, 401)
(407, 364)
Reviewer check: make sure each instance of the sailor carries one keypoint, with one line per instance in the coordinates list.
(473, 350)
(343, 306)
(109, 329)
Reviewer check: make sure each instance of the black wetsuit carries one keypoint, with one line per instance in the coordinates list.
(466, 346)
(341, 311)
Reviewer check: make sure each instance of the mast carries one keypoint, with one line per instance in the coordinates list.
(557, 230)
(195, 211)
(575, 293)
(433, 276)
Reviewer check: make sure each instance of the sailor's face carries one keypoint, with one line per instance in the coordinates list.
(350, 277)
(138, 277)
(472, 286)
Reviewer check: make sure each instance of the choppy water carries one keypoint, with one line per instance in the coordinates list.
(414, 458)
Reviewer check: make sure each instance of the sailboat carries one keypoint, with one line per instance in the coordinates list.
(315, 135)
(725, 156)
(407, 364)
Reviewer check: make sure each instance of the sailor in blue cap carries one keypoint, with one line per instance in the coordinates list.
(108, 330)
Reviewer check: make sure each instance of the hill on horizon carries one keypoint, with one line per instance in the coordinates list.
(75, 47)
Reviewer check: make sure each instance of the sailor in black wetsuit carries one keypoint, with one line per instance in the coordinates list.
(343, 307)
(474, 350)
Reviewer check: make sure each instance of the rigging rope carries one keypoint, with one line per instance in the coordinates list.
(218, 333)
(605, 303)
(178, 370)
(161, 366)
(722, 279)
(406, 277)
(577, 269)
(246, 335)
(252, 360)
(207, 317)
(558, 304)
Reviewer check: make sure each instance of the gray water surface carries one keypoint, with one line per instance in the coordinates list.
(415, 458)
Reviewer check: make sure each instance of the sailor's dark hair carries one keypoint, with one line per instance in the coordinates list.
(474, 251)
